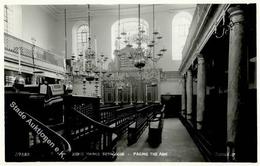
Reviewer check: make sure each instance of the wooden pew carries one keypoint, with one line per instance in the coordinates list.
(139, 124)
(107, 114)
(123, 118)
(155, 128)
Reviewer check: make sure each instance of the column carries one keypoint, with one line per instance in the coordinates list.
(237, 80)
(183, 97)
(189, 95)
(201, 91)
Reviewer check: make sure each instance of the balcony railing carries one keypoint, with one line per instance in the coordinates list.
(12, 44)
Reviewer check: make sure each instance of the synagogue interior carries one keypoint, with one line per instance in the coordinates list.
(130, 82)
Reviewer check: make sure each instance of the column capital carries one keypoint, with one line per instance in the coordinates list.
(200, 58)
(199, 55)
(233, 9)
(189, 73)
(236, 14)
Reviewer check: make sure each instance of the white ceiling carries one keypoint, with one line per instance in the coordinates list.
(74, 11)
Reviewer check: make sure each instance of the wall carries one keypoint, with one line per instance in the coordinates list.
(172, 87)
(101, 28)
(39, 24)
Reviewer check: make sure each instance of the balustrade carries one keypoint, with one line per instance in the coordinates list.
(12, 44)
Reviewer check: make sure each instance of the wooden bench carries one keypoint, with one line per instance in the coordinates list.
(107, 114)
(123, 119)
(139, 124)
(155, 129)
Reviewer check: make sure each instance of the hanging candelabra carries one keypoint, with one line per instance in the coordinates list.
(145, 49)
(89, 55)
(85, 63)
(156, 37)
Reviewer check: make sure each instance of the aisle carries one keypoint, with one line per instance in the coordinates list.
(176, 146)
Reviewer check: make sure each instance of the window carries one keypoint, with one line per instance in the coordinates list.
(130, 26)
(180, 29)
(82, 38)
(13, 20)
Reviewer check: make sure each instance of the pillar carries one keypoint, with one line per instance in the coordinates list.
(201, 91)
(237, 80)
(189, 95)
(183, 97)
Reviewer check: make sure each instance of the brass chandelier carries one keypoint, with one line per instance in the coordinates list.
(145, 48)
(88, 64)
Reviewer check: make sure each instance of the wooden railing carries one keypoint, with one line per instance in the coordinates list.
(90, 139)
(12, 44)
(27, 137)
(59, 143)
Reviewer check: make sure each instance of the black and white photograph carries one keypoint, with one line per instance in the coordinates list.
(129, 82)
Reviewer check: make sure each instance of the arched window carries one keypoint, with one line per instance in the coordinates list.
(130, 27)
(82, 38)
(180, 29)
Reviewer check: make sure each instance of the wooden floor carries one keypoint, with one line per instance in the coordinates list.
(176, 146)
